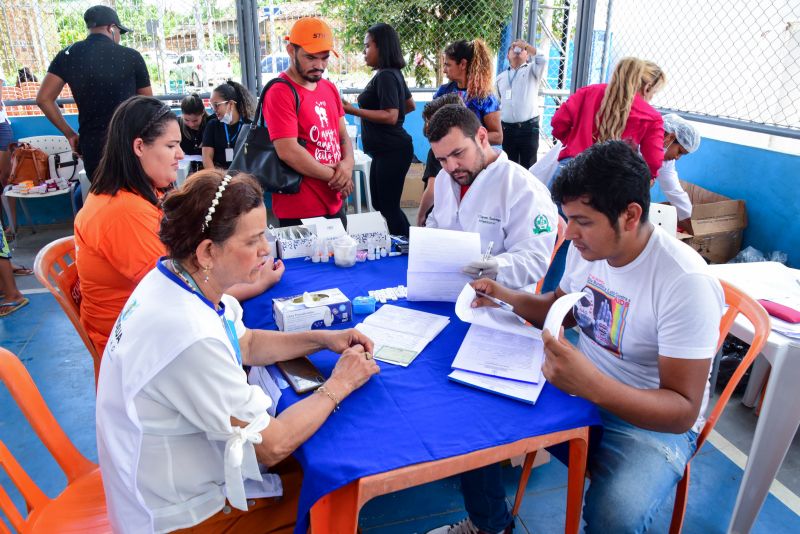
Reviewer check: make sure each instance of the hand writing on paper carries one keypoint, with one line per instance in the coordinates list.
(491, 288)
(341, 340)
(602, 326)
(566, 367)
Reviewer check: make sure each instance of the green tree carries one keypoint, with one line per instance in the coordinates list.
(425, 27)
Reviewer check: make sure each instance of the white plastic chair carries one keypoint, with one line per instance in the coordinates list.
(665, 216)
(50, 144)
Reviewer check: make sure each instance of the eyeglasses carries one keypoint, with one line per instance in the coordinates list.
(216, 105)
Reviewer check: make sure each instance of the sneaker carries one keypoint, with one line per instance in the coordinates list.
(465, 526)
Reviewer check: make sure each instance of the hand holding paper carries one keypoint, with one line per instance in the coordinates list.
(567, 368)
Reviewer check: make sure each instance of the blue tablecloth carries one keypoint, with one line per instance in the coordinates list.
(404, 416)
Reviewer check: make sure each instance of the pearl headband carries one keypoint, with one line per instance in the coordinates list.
(214, 203)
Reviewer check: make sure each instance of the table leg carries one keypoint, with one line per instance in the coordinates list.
(777, 425)
(336, 512)
(576, 481)
(758, 377)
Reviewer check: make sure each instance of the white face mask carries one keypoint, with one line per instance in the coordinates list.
(227, 118)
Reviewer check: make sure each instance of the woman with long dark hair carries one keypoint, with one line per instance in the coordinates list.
(117, 229)
(233, 106)
(193, 121)
(382, 107)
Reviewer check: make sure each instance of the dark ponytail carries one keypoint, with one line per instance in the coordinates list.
(193, 105)
(245, 103)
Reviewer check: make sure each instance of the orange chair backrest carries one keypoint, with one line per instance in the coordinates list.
(56, 270)
(560, 237)
(24, 392)
(738, 303)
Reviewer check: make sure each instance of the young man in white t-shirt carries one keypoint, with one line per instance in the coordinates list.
(648, 331)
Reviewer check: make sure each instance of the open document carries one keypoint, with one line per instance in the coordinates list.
(400, 334)
(501, 355)
(435, 260)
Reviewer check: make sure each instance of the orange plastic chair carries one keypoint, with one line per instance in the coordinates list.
(55, 268)
(81, 507)
(738, 303)
(561, 236)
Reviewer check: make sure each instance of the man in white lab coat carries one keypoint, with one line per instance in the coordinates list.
(480, 190)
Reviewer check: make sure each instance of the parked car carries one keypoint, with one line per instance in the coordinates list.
(151, 58)
(272, 65)
(201, 68)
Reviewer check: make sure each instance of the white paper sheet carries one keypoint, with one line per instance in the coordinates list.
(325, 228)
(490, 352)
(435, 260)
(401, 334)
(559, 310)
(508, 388)
(187, 158)
(496, 318)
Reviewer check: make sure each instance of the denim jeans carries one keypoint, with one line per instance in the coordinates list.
(485, 498)
(633, 471)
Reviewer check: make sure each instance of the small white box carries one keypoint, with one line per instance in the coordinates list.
(294, 241)
(366, 227)
(311, 311)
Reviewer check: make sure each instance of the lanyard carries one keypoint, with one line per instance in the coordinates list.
(227, 135)
(227, 324)
(512, 78)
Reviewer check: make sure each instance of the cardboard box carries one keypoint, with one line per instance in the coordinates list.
(413, 187)
(366, 227)
(717, 222)
(294, 241)
(311, 311)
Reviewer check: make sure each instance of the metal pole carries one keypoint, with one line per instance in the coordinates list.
(562, 67)
(517, 14)
(606, 43)
(583, 44)
(533, 14)
(249, 53)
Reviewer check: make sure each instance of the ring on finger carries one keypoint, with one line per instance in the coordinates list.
(368, 355)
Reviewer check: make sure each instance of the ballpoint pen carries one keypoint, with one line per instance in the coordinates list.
(486, 256)
(501, 303)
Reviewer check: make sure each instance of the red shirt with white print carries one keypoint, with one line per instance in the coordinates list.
(317, 123)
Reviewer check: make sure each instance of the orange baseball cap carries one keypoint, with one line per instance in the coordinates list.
(313, 35)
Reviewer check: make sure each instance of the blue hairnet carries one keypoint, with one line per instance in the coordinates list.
(685, 134)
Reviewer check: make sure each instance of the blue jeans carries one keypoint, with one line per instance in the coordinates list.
(633, 471)
(485, 498)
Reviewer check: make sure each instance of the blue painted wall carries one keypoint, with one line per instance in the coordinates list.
(766, 180)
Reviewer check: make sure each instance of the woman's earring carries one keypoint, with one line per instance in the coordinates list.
(206, 270)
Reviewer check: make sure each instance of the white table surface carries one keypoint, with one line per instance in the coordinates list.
(780, 413)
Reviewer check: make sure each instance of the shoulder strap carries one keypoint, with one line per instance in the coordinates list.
(260, 121)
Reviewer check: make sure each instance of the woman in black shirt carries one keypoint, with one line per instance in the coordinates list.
(382, 107)
(193, 122)
(233, 106)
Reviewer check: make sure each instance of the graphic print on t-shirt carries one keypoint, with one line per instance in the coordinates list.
(602, 316)
(325, 136)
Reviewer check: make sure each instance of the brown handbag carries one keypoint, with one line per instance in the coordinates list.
(28, 164)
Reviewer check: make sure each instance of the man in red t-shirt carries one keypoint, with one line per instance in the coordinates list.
(326, 161)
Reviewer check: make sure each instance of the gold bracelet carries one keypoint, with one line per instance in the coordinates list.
(331, 396)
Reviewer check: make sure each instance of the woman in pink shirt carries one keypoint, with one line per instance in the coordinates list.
(617, 110)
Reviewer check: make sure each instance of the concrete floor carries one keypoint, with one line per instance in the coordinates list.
(31, 332)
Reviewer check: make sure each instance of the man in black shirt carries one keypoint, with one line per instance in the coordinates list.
(102, 74)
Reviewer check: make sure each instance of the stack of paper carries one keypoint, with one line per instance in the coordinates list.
(435, 260)
(400, 334)
(501, 355)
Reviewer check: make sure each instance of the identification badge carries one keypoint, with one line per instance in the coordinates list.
(507, 95)
(228, 154)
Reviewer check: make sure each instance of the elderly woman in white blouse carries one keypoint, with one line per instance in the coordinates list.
(179, 429)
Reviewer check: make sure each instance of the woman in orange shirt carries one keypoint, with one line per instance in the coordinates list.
(116, 231)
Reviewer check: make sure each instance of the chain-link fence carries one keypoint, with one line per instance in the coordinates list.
(735, 61)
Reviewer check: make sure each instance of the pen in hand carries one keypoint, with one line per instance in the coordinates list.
(501, 303)
(486, 256)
